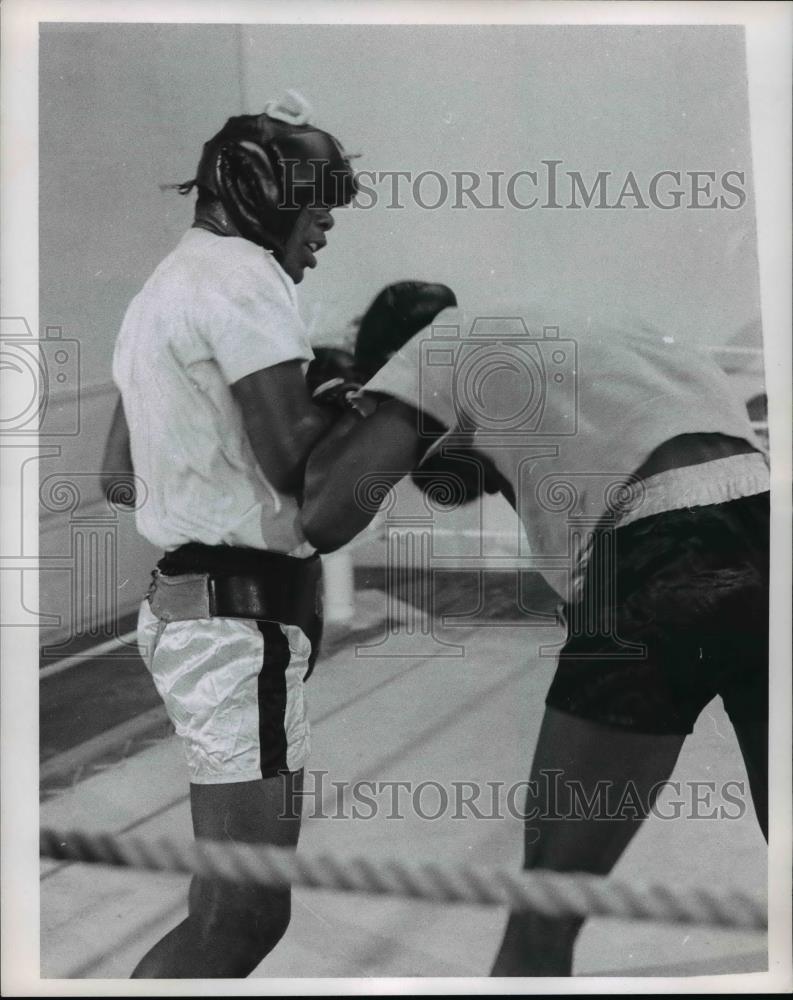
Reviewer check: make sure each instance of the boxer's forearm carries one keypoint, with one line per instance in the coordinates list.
(285, 466)
(381, 449)
(282, 422)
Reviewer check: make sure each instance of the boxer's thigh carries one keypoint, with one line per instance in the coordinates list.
(687, 588)
(630, 660)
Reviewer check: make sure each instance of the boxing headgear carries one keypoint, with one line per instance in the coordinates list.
(265, 168)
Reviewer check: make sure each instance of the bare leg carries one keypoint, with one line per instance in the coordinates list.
(230, 928)
(753, 741)
(745, 699)
(591, 757)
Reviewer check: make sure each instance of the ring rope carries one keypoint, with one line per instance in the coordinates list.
(551, 894)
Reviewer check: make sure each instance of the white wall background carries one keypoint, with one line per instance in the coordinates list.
(127, 107)
(505, 98)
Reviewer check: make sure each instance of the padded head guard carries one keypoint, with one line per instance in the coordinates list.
(265, 168)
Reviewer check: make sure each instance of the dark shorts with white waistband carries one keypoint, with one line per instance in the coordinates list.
(673, 611)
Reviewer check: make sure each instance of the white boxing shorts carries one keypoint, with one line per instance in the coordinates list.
(234, 690)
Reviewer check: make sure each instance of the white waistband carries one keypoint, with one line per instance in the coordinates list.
(714, 482)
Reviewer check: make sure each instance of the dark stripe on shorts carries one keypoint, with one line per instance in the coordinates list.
(272, 699)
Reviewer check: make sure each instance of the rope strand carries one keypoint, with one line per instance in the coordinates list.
(552, 894)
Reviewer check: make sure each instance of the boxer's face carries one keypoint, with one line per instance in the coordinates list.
(305, 241)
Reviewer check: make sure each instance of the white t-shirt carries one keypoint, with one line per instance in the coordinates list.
(568, 412)
(216, 309)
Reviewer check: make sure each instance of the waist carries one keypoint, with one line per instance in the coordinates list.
(215, 499)
(705, 484)
(204, 581)
(231, 560)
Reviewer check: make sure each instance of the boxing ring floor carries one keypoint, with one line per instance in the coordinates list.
(391, 718)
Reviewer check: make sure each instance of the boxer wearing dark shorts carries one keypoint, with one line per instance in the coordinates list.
(666, 598)
(690, 587)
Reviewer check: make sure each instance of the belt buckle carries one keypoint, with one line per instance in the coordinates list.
(180, 598)
(211, 595)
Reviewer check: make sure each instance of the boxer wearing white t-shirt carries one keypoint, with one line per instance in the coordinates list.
(217, 421)
(214, 311)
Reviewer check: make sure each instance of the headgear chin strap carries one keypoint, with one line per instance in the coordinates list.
(265, 168)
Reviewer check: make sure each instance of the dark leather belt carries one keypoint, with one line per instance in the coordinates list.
(270, 586)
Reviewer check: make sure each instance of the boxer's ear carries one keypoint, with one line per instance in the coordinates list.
(248, 188)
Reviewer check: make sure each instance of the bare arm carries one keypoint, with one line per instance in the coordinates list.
(117, 459)
(282, 422)
(385, 446)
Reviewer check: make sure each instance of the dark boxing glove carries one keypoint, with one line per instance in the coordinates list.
(398, 313)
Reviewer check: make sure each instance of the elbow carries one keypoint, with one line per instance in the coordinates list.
(288, 470)
(326, 529)
(324, 544)
(287, 479)
(323, 536)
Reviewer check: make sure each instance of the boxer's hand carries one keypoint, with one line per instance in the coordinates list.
(330, 363)
(345, 396)
(398, 313)
(393, 317)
